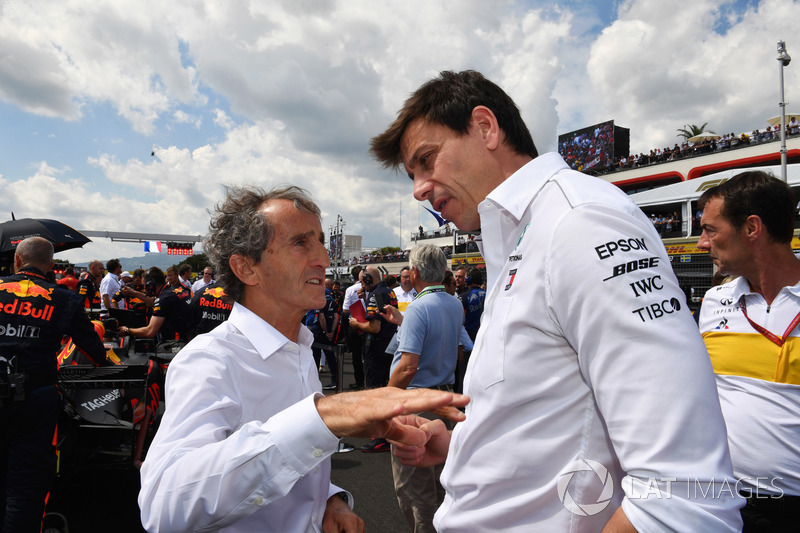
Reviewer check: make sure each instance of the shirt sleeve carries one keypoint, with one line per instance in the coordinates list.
(206, 470)
(614, 295)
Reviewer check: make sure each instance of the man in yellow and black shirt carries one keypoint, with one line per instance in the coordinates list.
(750, 327)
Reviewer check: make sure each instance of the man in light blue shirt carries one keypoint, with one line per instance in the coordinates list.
(425, 358)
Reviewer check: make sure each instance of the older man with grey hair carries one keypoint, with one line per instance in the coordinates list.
(247, 436)
(426, 357)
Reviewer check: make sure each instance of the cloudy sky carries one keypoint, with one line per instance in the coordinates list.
(268, 92)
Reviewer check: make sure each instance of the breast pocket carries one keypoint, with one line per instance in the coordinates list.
(489, 366)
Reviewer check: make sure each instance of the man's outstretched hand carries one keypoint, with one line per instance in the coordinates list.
(371, 413)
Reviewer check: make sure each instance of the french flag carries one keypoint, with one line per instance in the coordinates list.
(152, 246)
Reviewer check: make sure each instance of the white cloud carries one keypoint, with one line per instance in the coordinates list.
(662, 65)
(291, 91)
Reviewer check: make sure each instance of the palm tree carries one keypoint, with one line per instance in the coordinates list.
(690, 130)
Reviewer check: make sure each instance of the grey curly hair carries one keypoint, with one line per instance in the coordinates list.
(238, 228)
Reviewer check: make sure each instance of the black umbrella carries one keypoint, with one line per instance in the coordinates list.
(62, 236)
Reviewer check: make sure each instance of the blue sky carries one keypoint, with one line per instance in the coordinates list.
(290, 92)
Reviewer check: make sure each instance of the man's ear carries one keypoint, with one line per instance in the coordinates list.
(483, 119)
(242, 267)
(753, 227)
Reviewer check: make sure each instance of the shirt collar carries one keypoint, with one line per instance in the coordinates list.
(266, 339)
(742, 287)
(530, 178)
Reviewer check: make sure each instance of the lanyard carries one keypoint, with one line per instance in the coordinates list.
(764, 331)
(429, 290)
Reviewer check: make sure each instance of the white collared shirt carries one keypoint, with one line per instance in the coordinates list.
(241, 447)
(199, 284)
(109, 285)
(589, 380)
(758, 383)
(351, 295)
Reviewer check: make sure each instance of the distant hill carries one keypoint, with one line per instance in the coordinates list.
(146, 261)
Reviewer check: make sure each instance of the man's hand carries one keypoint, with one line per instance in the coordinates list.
(339, 518)
(432, 452)
(392, 315)
(371, 413)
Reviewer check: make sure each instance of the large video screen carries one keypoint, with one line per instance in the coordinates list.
(594, 148)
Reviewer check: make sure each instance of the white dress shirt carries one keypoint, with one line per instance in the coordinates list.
(589, 390)
(241, 447)
(199, 284)
(351, 295)
(109, 285)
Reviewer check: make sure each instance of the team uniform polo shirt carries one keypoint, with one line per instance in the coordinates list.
(573, 413)
(404, 298)
(758, 383)
(209, 308)
(89, 292)
(173, 304)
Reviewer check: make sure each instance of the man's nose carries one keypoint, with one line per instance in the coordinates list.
(422, 188)
(703, 243)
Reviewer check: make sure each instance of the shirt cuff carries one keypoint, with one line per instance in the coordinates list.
(333, 490)
(301, 435)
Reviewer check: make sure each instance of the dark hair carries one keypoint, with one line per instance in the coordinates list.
(156, 276)
(113, 264)
(756, 193)
(238, 227)
(475, 276)
(449, 100)
(184, 268)
(448, 277)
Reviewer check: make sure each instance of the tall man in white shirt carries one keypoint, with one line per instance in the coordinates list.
(750, 326)
(246, 439)
(593, 399)
(110, 283)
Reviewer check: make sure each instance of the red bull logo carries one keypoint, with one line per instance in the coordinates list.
(213, 298)
(216, 292)
(24, 288)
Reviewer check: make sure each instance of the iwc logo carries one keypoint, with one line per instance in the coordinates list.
(585, 509)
